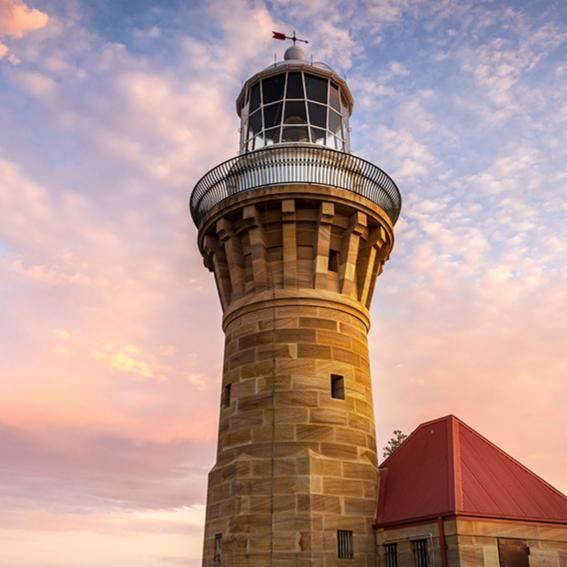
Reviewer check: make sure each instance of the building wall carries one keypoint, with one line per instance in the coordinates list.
(429, 531)
(474, 542)
(478, 542)
(294, 464)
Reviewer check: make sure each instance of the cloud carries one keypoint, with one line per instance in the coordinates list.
(112, 325)
(16, 18)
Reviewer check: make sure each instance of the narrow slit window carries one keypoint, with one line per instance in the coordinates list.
(344, 544)
(333, 260)
(391, 554)
(420, 554)
(218, 547)
(226, 395)
(337, 387)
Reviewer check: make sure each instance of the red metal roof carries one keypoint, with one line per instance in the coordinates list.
(445, 468)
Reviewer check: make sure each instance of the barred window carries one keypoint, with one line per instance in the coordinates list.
(391, 554)
(218, 547)
(345, 544)
(420, 555)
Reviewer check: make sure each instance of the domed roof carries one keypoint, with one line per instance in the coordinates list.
(294, 53)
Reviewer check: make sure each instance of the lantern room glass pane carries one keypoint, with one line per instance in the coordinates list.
(334, 97)
(317, 115)
(272, 136)
(294, 86)
(258, 142)
(273, 115)
(254, 97)
(295, 112)
(334, 122)
(254, 123)
(316, 88)
(272, 88)
(318, 136)
(295, 134)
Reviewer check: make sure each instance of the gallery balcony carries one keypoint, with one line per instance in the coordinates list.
(289, 164)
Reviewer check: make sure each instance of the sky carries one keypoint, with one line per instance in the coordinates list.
(110, 338)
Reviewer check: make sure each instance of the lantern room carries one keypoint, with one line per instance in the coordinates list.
(294, 101)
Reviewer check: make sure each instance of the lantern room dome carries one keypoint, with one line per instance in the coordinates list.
(295, 101)
(294, 53)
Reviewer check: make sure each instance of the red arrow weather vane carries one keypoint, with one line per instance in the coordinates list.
(280, 35)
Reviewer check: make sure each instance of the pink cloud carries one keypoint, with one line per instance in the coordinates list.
(16, 18)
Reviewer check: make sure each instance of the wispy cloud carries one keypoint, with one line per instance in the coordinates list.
(111, 344)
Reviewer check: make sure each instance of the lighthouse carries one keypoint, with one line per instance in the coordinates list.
(296, 230)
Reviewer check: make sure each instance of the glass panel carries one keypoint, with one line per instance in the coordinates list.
(272, 88)
(330, 140)
(272, 136)
(294, 86)
(316, 88)
(255, 97)
(344, 100)
(258, 142)
(334, 122)
(334, 97)
(254, 123)
(318, 136)
(317, 115)
(338, 144)
(273, 115)
(294, 134)
(295, 112)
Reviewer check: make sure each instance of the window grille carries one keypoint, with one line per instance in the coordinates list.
(345, 544)
(337, 387)
(391, 554)
(420, 555)
(218, 547)
(226, 395)
(295, 107)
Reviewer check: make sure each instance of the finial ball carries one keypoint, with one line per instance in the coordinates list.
(294, 52)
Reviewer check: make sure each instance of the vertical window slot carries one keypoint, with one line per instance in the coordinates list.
(344, 544)
(333, 260)
(218, 547)
(337, 387)
(420, 555)
(226, 395)
(391, 554)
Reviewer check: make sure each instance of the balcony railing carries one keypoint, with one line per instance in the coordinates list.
(294, 164)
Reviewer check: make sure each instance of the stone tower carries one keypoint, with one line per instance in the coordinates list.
(296, 230)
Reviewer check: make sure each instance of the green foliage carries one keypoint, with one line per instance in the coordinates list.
(397, 439)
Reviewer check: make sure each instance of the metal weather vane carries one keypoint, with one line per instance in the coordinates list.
(282, 36)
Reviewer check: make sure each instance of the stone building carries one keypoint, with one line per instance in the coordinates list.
(296, 231)
(449, 497)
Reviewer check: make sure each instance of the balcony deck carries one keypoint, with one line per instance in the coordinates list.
(295, 164)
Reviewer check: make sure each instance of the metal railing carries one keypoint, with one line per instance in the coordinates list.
(294, 164)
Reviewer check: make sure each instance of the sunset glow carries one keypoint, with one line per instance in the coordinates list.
(111, 342)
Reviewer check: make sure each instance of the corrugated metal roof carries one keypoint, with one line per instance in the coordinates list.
(445, 468)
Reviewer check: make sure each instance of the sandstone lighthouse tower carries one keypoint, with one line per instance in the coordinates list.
(296, 230)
